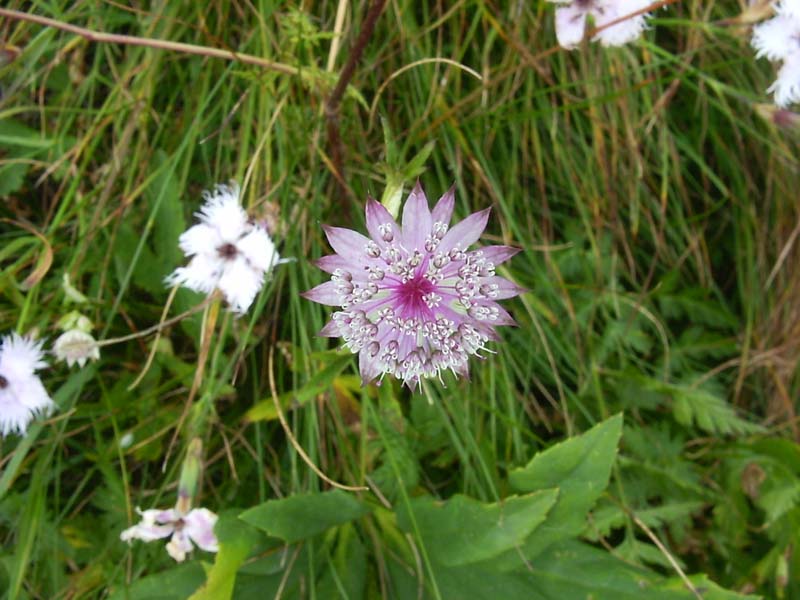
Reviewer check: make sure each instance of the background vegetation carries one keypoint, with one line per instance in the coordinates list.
(657, 212)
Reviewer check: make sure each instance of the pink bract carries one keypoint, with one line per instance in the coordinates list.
(414, 300)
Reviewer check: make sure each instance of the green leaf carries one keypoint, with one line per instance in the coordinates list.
(462, 530)
(236, 540)
(566, 571)
(707, 410)
(580, 467)
(305, 515)
(173, 584)
(346, 574)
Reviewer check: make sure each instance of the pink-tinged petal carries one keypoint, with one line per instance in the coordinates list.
(153, 526)
(359, 272)
(416, 220)
(368, 366)
(498, 254)
(443, 211)
(570, 23)
(502, 318)
(324, 293)
(179, 546)
(346, 242)
(465, 233)
(331, 330)
(381, 225)
(505, 288)
(199, 526)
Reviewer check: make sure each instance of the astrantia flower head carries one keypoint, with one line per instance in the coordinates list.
(414, 300)
(22, 395)
(196, 526)
(229, 252)
(779, 40)
(571, 21)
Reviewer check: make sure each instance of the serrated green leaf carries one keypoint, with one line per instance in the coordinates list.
(461, 530)
(580, 468)
(305, 515)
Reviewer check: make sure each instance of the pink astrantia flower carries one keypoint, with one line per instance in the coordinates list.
(571, 21)
(414, 300)
(196, 526)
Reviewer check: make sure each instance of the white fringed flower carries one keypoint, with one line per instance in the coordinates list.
(196, 526)
(76, 346)
(571, 21)
(778, 39)
(22, 395)
(229, 252)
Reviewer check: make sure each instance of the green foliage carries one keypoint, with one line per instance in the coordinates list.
(303, 516)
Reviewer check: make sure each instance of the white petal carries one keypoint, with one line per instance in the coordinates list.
(787, 85)
(155, 524)
(626, 30)
(179, 546)
(20, 356)
(31, 393)
(199, 526)
(200, 239)
(223, 212)
(789, 7)
(76, 346)
(570, 23)
(201, 274)
(240, 284)
(14, 416)
(776, 38)
(258, 248)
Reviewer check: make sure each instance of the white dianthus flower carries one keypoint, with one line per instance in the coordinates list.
(229, 252)
(22, 395)
(571, 21)
(196, 526)
(76, 346)
(778, 39)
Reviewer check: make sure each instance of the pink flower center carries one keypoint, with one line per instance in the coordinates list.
(413, 298)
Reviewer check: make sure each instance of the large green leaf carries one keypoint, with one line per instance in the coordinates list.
(462, 530)
(569, 571)
(305, 515)
(580, 467)
(173, 584)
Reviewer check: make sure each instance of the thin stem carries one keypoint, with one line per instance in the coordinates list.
(132, 40)
(158, 327)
